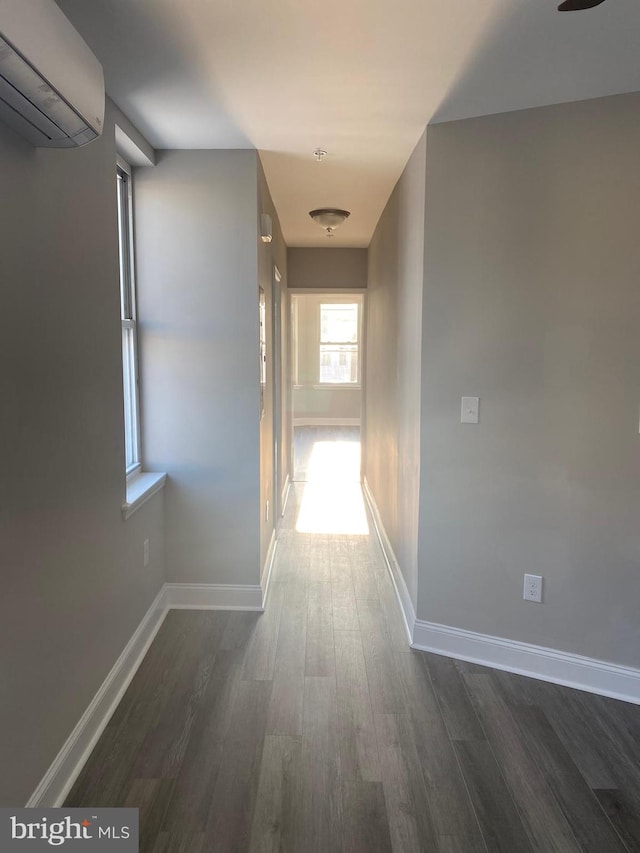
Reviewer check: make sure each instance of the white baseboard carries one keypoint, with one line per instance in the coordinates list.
(594, 676)
(57, 781)
(213, 596)
(402, 593)
(326, 422)
(66, 767)
(285, 494)
(558, 667)
(268, 566)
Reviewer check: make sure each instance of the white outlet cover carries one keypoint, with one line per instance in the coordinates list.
(532, 588)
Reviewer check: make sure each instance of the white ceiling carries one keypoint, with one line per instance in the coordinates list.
(360, 78)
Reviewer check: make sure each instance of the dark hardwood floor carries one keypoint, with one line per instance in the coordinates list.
(313, 728)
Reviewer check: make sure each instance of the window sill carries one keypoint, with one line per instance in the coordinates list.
(329, 386)
(337, 386)
(139, 489)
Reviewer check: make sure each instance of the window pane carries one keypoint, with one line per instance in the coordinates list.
(130, 408)
(338, 323)
(128, 313)
(126, 294)
(338, 363)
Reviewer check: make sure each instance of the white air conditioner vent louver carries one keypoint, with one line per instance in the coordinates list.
(51, 85)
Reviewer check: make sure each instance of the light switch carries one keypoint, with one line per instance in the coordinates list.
(470, 410)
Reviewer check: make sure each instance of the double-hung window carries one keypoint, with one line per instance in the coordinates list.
(339, 343)
(128, 317)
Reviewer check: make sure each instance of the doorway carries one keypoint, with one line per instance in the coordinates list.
(327, 380)
(327, 400)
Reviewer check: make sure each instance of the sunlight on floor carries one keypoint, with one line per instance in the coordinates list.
(332, 500)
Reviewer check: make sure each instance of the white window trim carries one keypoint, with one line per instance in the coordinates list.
(140, 485)
(140, 488)
(310, 379)
(331, 299)
(135, 468)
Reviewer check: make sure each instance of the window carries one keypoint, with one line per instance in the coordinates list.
(128, 316)
(339, 327)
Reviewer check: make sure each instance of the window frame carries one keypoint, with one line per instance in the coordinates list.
(128, 319)
(333, 299)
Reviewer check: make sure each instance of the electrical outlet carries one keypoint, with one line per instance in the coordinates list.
(145, 552)
(532, 588)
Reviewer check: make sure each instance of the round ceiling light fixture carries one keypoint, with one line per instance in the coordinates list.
(578, 5)
(329, 218)
(319, 154)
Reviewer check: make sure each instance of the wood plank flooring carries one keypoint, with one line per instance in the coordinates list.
(305, 438)
(313, 728)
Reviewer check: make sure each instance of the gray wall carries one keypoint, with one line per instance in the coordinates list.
(392, 399)
(317, 405)
(532, 303)
(197, 234)
(73, 584)
(327, 268)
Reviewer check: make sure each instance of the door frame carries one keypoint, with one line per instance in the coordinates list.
(328, 292)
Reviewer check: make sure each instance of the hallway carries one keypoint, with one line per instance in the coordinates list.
(313, 728)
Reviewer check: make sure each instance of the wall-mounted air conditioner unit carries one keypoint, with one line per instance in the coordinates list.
(51, 84)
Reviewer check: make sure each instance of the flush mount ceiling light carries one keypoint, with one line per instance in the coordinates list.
(578, 5)
(329, 218)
